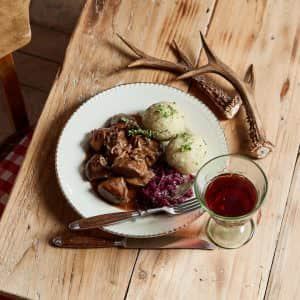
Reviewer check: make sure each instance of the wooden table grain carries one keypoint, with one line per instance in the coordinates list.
(265, 33)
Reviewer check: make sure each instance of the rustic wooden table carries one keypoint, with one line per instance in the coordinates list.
(265, 33)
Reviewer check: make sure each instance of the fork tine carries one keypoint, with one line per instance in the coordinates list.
(193, 206)
(189, 209)
(187, 205)
(187, 202)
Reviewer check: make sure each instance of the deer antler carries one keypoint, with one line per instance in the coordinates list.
(259, 146)
(228, 105)
(146, 60)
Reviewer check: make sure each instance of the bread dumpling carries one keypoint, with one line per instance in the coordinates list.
(164, 119)
(186, 153)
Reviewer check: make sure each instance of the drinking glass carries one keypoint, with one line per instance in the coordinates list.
(231, 232)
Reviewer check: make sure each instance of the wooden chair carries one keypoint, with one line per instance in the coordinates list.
(14, 33)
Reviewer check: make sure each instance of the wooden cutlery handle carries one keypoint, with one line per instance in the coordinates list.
(81, 242)
(101, 220)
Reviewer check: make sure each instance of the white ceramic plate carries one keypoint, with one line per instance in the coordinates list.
(128, 98)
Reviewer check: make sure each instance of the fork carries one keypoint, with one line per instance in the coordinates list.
(102, 220)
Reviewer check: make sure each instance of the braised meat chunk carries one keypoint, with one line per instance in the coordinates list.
(96, 168)
(146, 148)
(123, 154)
(116, 143)
(114, 190)
(97, 138)
(126, 166)
(125, 121)
(141, 181)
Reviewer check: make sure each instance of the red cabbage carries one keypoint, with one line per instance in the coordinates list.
(160, 190)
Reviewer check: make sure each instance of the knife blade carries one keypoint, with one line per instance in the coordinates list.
(168, 242)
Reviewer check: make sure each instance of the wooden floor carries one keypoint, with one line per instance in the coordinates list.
(52, 22)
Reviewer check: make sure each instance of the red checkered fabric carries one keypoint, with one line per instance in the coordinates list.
(9, 168)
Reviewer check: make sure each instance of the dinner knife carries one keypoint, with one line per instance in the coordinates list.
(168, 242)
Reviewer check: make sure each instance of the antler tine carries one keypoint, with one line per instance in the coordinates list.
(146, 60)
(209, 53)
(228, 105)
(182, 55)
(137, 51)
(157, 64)
(249, 76)
(259, 146)
(208, 68)
(213, 65)
(211, 57)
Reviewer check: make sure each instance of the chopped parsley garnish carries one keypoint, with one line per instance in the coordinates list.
(124, 119)
(185, 135)
(187, 142)
(137, 130)
(145, 132)
(165, 110)
(185, 147)
(129, 122)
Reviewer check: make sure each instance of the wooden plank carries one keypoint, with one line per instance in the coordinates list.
(35, 72)
(37, 210)
(242, 32)
(47, 43)
(56, 14)
(14, 25)
(284, 276)
(34, 101)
